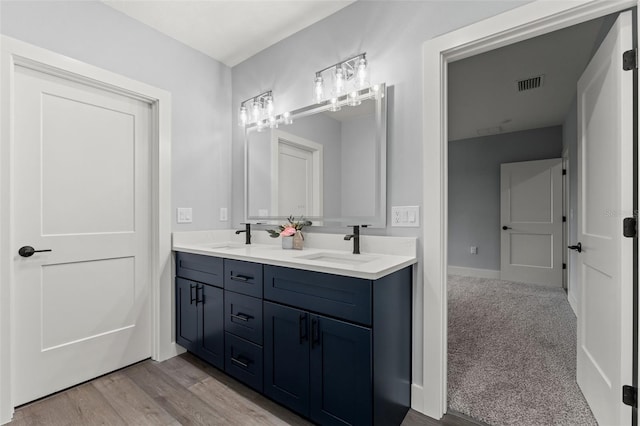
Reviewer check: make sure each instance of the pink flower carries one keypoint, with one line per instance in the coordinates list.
(288, 231)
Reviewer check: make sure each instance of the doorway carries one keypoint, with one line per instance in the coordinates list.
(520, 24)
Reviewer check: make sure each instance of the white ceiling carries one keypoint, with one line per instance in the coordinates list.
(228, 30)
(483, 98)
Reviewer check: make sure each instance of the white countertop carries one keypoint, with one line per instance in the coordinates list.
(328, 253)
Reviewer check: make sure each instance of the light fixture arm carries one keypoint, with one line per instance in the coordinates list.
(351, 62)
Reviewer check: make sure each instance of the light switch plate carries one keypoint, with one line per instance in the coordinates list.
(185, 215)
(224, 214)
(405, 216)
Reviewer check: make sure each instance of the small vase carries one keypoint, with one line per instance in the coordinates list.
(287, 242)
(298, 241)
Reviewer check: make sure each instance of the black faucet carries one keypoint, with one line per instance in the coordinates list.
(356, 237)
(247, 230)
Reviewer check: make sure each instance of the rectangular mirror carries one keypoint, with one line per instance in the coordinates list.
(328, 166)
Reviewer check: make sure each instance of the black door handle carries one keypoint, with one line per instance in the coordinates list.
(505, 227)
(28, 251)
(577, 247)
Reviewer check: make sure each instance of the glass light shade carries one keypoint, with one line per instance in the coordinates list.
(318, 89)
(273, 122)
(268, 106)
(362, 74)
(243, 116)
(339, 82)
(256, 110)
(286, 118)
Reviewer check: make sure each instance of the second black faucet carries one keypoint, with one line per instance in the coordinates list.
(356, 237)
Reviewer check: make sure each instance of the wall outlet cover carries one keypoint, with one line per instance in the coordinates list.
(185, 215)
(405, 216)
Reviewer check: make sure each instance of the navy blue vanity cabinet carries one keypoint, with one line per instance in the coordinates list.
(200, 307)
(338, 349)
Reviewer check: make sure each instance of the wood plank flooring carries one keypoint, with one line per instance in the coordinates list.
(180, 391)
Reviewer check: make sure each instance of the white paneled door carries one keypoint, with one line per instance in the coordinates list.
(81, 181)
(531, 221)
(605, 195)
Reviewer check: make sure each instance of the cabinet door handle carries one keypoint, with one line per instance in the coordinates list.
(240, 363)
(315, 333)
(198, 299)
(302, 328)
(191, 287)
(241, 317)
(242, 278)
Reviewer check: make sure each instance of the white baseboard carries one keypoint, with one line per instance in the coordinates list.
(417, 398)
(573, 303)
(473, 272)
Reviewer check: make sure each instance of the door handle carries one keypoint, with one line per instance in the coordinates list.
(240, 278)
(505, 227)
(577, 247)
(28, 251)
(199, 288)
(193, 299)
(315, 333)
(241, 317)
(302, 328)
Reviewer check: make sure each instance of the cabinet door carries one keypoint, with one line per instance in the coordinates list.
(211, 321)
(341, 373)
(286, 356)
(186, 314)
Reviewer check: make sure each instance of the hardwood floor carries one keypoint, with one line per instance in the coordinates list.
(180, 391)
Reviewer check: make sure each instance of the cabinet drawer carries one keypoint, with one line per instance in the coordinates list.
(197, 267)
(334, 295)
(243, 316)
(243, 277)
(243, 360)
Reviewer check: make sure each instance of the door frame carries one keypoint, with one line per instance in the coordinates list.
(18, 53)
(528, 21)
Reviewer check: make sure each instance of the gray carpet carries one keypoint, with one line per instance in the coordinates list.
(512, 354)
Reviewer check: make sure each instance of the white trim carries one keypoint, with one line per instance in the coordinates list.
(573, 303)
(473, 272)
(13, 51)
(530, 20)
(317, 153)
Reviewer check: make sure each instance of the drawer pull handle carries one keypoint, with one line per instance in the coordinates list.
(242, 278)
(240, 363)
(241, 317)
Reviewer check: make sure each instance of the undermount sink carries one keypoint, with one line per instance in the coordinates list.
(226, 246)
(343, 259)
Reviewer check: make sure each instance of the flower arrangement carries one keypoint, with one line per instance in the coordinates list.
(290, 228)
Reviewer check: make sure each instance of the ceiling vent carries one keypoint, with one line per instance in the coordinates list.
(530, 83)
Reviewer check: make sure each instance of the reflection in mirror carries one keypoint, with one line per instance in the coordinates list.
(329, 167)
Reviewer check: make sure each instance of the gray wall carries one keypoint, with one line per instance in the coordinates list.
(200, 88)
(392, 33)
(474, 189)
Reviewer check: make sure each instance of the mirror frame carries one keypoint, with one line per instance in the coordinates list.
(379, 218)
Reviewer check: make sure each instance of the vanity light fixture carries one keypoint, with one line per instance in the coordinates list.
(346, 78)
(259, 111)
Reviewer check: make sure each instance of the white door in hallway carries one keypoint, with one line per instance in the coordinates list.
(531, 221)
(605, 194)
(81, 181)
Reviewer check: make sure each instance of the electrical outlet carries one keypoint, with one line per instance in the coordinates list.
(185, 215)
(224, 214)
(407, 216)
(473, 250)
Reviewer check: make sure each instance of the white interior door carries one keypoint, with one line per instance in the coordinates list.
(295, 181)
(81, 189)
(297, 163)
(605, 194)
(531, 221)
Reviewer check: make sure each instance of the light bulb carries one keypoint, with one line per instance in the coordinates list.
(242, 116)
(260, 126)
(273, 122)
(335, 106)
(362, 74)
(339, 80)
(286, 118)
(319, 89)
(268, 101)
